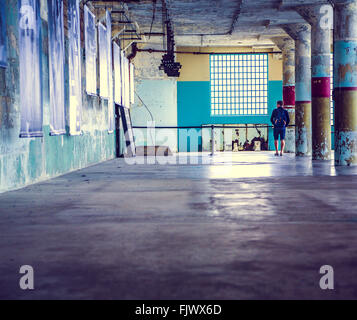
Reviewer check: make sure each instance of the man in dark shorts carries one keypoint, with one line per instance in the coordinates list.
(280, 120)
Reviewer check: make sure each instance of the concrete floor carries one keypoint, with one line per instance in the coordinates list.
(243, 226)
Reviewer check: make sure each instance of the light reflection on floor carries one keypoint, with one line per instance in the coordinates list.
(230, 165)
(247, 225)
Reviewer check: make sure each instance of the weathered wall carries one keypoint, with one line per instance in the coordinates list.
(159, 93)
(196, 67)
(160, 96)
(186, 101)
(193, 91)
(25, 161)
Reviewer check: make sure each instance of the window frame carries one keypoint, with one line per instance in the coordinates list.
(248, 104)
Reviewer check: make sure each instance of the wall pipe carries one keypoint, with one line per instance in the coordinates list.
(197, 52)
(208, 127)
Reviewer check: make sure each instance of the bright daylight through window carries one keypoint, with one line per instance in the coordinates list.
(239, 84)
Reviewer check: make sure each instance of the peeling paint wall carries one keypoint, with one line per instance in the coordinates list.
(320, 84)
(345, 84)
(159, 93)
(160, 97)
(301, 33)
(26, 161)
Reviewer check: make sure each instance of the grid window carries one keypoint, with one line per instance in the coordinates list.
(239, 84)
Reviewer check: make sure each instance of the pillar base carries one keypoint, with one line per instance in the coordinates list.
(321, 129)
(345, 126)
(303, 129)
(290, 131)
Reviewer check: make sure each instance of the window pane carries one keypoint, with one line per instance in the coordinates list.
(239, 84)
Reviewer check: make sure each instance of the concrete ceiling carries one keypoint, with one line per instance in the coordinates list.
(220, 22)
(215, 22)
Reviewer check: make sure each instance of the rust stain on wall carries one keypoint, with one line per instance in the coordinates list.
(343, 70)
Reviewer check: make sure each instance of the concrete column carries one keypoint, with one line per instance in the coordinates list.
(287, 46)
(345, 83)
(301, 33)
(320, 85)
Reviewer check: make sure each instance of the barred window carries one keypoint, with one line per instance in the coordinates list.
(239, 84)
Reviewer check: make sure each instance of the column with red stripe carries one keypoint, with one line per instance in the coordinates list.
(301, 33)
(318, 17)
(345, 83)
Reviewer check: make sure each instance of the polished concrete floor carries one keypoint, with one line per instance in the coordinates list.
(239, 226)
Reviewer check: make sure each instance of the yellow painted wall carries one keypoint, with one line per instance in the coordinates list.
(195, 67)
(275, 67)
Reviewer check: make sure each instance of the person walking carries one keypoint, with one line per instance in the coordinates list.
(280, 120)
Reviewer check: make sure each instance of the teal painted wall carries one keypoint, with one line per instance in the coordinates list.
(160, 97)
(193, 107)
(26, 161)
